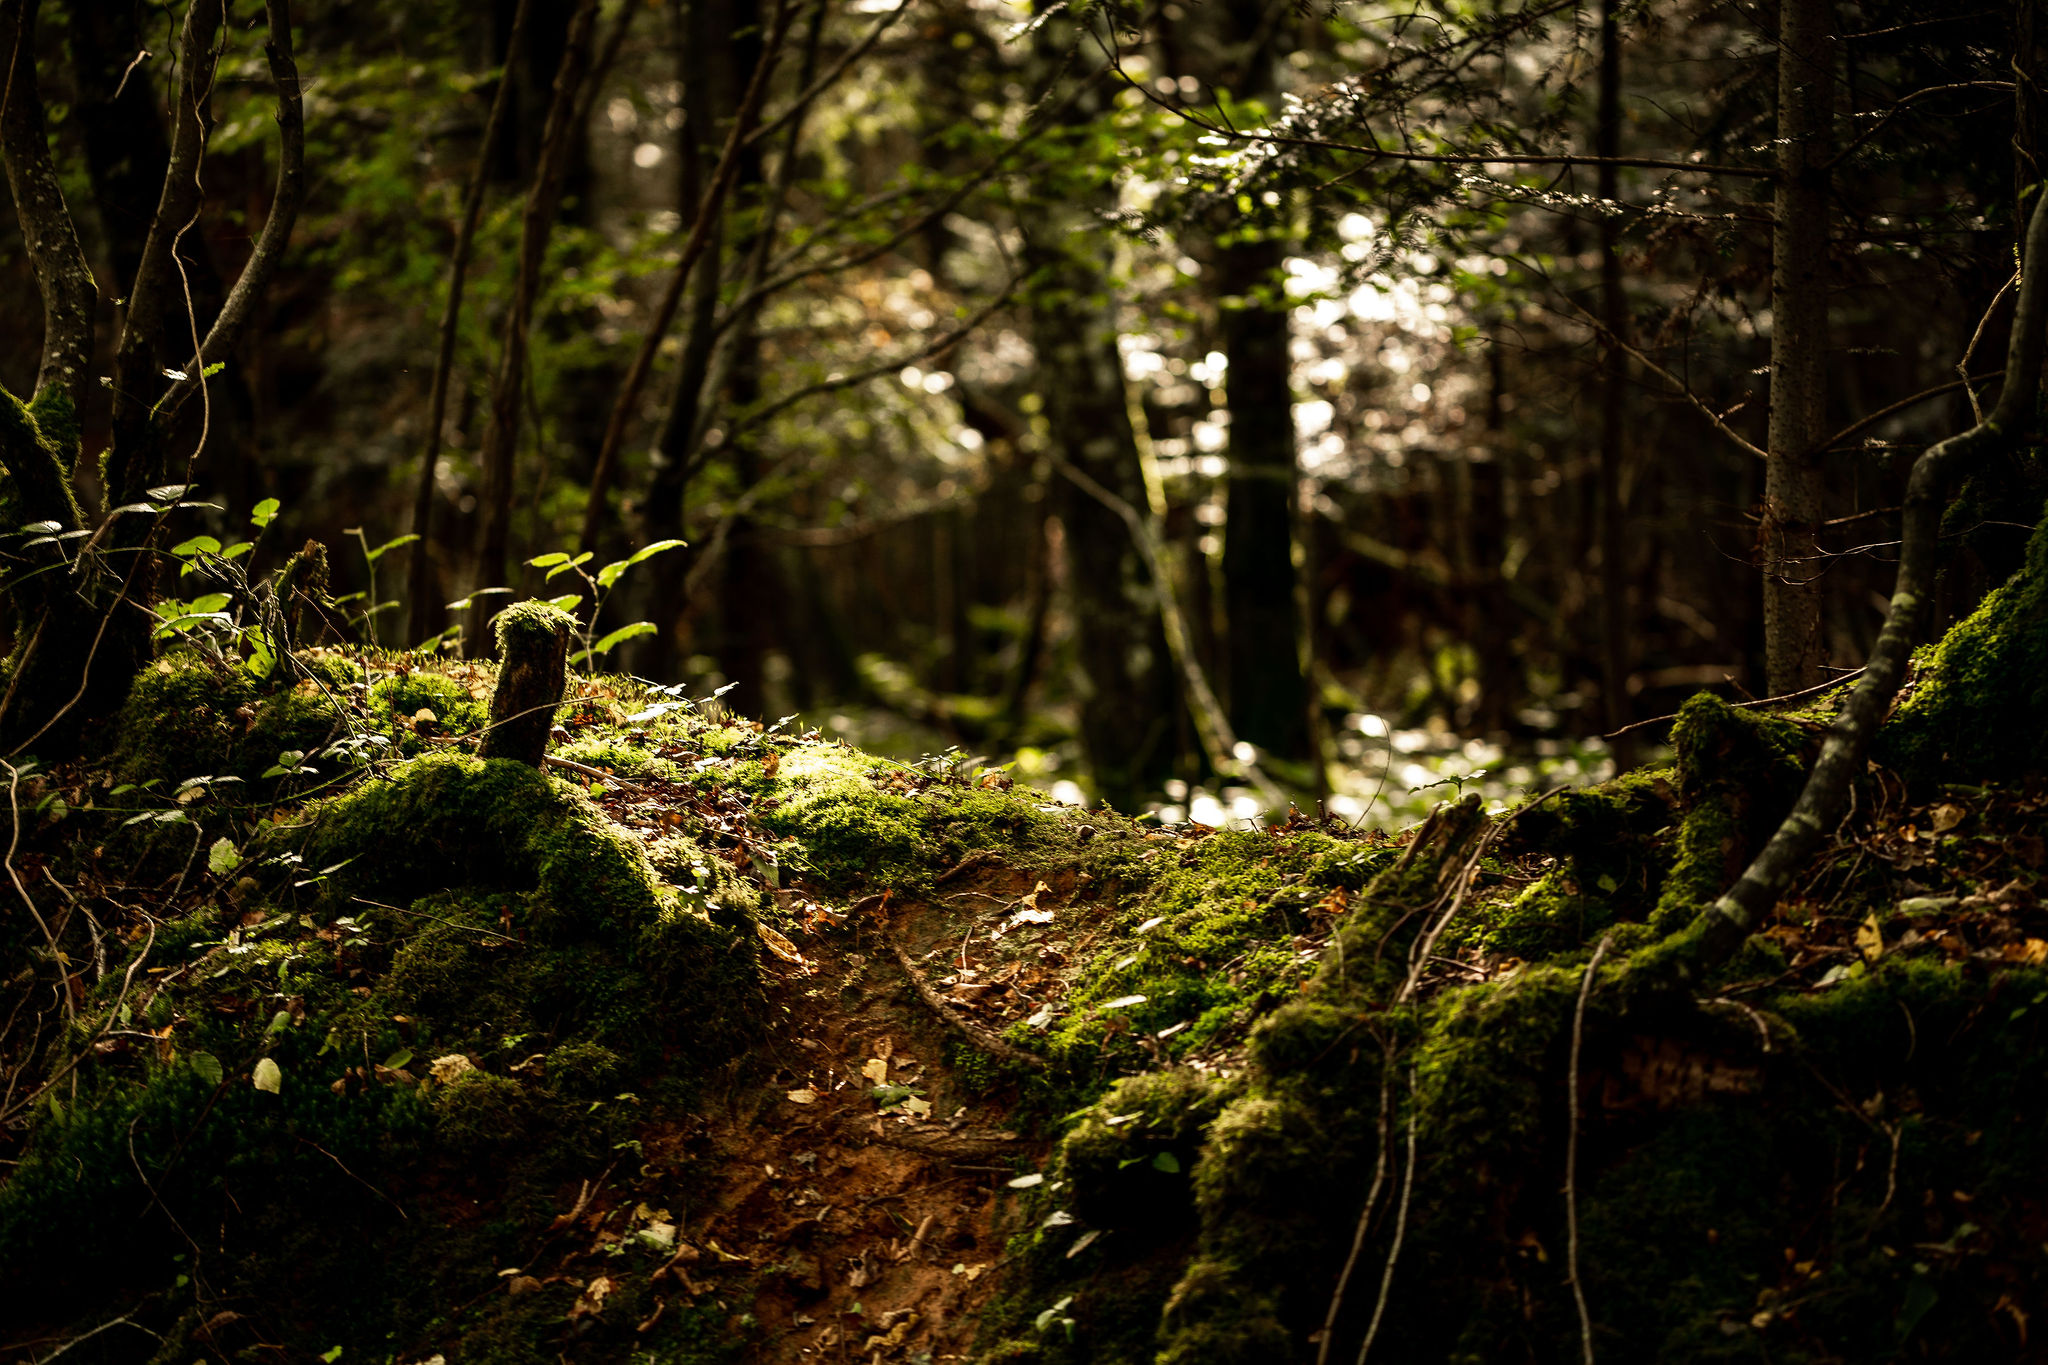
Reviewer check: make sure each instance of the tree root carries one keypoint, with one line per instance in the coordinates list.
(974, 1033)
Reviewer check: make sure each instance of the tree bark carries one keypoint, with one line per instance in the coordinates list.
(1794, 647)
(62, 276)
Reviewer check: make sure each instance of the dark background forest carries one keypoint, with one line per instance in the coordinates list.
(1400, 376)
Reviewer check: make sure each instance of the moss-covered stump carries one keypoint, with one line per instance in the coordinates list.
(533, 659)
(1978, 701)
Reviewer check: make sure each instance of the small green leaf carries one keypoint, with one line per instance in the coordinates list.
(185, 549)
(265, 512)
(330, 1356)
(647, 552)
(207, 1067)
(374, 555)
(223, 857)
(621, 635)
(267, 1076)
(547, 561)
(1167, 1162)
(398, 1059)
(237, 550)
(279, 1022)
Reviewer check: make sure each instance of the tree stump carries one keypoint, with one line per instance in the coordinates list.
(533, 668)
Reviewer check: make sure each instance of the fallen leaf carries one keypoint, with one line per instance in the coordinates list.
(1025, 1182)
(446, 1070)
(523, 1284)
(777, 944)
(806, 1095)
(876, 1070)
(1870, 939)
(267, 1076)
(1947, 816)
(922, 1109)
(1124, 1002)
(2034, 952)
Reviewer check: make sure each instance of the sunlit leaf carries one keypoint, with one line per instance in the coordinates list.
(267, 1076)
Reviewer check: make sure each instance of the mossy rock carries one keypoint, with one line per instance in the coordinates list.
(1978, 706)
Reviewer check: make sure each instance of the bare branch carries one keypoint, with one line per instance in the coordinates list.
(285, 201)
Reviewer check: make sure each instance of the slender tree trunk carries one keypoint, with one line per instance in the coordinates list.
(1486, 621)
(1614, 643)
(1794, 647)
(2030, 109)
(424, 611)
(537, 222)
(1123, 671)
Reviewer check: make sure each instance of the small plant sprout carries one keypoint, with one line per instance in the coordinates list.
(598, 588)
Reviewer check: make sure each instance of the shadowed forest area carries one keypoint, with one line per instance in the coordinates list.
(951, 680)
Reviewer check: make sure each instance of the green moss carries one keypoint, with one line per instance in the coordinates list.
(187, 716)
(1738, 774)
(1129, 1159)
(479, 1113)
(1979, 701)
(849, 830)
(396, 702)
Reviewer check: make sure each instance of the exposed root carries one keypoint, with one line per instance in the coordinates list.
(967, 1028)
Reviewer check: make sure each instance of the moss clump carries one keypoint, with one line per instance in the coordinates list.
(1738, 774)
(1129, 1158)
(849, 829)
(396, 704)
(187, 716)
(450, 820)
(1979, 705)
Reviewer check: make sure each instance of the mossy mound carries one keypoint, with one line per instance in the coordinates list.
(188, 716)
(1978, 707)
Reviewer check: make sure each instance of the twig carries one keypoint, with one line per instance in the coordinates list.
(974, 1033)
(1963, 365)
(1745, 705)
(1379, 1308)
(1372, 1199)
(1218, 740)
(421, 914)
(353, 1176)
(1571, 1155)
(451, 317)
(594, 774)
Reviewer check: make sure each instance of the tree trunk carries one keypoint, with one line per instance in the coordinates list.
(1614, 644)
(537, 223)
(1794, 647)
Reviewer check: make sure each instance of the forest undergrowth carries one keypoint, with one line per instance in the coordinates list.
(715, 1041)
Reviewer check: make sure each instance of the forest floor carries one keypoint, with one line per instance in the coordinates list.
(718, 1043)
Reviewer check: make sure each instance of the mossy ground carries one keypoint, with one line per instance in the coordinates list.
(544, 1030)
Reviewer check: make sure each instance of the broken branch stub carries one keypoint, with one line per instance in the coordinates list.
(533, 669)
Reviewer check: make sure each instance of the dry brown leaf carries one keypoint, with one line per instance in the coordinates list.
(1870, 939)
(1947, 816)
